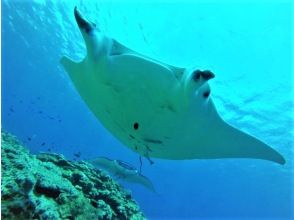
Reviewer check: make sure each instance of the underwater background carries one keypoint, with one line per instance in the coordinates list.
(248, 45)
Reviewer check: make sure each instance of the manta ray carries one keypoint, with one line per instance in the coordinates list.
(123, 170)
(156, 109)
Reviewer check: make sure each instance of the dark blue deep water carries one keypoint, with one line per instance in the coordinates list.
(247, 45)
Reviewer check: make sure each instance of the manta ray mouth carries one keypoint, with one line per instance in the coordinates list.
(83, 23)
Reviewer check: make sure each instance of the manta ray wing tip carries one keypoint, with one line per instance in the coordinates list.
(83, 23)
(281, 160)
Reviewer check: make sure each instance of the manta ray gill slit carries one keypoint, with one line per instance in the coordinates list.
(138, 144)
(131, 136)
(153, 141)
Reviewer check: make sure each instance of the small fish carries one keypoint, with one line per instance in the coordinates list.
(77, 154)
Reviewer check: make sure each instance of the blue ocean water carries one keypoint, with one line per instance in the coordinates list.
(248, 45)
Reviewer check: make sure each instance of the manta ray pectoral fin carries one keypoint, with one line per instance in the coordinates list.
(233, 143)
(72, 67)
(118, 49)
(141, 179)
(82, 76)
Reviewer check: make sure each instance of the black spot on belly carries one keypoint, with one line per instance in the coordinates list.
(136, 125)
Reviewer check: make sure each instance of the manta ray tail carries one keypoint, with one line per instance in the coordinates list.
(237, 144)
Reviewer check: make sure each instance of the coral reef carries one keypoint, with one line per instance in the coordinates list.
(47, 186)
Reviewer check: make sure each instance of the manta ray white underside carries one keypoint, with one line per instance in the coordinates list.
(156, 109)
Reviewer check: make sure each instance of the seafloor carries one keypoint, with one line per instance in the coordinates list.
(47, 186)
